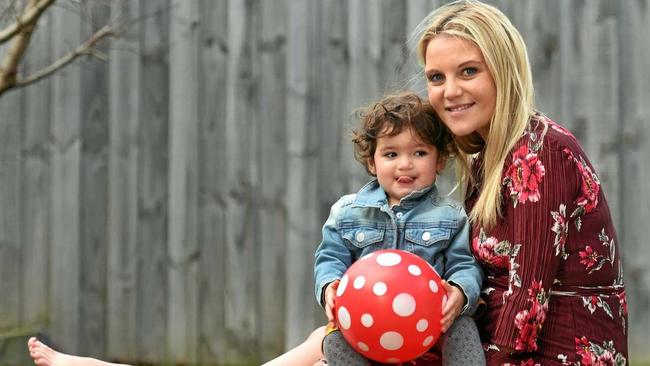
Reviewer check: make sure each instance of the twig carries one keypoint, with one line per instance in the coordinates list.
(28, 19)
(87, 48)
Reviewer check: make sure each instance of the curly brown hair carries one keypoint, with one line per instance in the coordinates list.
(389, 116)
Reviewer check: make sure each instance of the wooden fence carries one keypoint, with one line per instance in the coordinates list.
(165, 205)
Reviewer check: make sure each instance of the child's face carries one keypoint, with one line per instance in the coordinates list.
(403, 164)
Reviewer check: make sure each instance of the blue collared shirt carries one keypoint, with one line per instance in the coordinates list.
(433, 227)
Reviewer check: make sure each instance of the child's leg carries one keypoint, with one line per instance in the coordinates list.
(46, 356)
(338, 351)
(307, 353)
(461, 345)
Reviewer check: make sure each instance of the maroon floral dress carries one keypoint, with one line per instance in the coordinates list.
(554, 288)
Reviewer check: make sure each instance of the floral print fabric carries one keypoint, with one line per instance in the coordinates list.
(554, 287)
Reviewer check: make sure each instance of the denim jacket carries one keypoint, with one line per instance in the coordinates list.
(433, 227)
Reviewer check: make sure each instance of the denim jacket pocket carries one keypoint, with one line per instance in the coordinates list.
(362, 236)
(427, 236)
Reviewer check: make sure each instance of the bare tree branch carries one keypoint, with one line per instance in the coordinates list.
(86, 49)
(32, 12)
(20, 41)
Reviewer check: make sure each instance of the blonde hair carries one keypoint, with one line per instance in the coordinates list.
(505, 55)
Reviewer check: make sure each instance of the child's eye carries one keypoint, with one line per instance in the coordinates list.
(420, 153)
(469, 71)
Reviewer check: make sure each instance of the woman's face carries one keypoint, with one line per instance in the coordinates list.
(460, 86)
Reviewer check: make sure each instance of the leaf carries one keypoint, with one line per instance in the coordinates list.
(600, 265)
(607, 309)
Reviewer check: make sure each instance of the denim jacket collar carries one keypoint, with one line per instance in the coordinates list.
(372, 195)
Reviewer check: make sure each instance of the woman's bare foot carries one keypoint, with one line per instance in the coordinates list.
(46, 356)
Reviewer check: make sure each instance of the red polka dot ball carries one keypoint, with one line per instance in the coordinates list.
(389, 306)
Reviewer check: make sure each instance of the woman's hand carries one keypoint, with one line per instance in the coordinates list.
(452, 308)
(330, 296)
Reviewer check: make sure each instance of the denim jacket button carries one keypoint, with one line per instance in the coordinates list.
(399, 214)
(360, 237)
(426, 236)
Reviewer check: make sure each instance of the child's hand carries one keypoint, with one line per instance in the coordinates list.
(330, 296)
(453, 306)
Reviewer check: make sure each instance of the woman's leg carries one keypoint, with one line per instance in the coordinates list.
(46, 356)
(307, 353)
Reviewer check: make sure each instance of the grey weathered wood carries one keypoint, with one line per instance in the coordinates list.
(212, 142)
(241, 252)
(182, 245)
(124, 112)
(35, 196)
(634, 121)
(93, 194)
(270, 115)
(153, 176)
(66, 205)
(301, 189)
(10, 186)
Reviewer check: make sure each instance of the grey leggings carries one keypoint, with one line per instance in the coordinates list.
(461, 345)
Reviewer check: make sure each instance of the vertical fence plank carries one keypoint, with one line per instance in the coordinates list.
(10, 188)
(634, 176)
(241, 249)
(152, 181)
(124, 113)
(598, 100)
(35, 197)
(213, 190)
(302, 227)
(332, 106)
(66, 186)
(272, 167)
(94, 191)
(183, 182)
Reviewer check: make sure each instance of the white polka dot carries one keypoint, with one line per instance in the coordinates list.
(364, 347)
(392, 360)
(389, 259)
(433, 286)
(342, 285)
(367, 320)
(379, 289)
(444, 301)
(359, 282)
(404, 304)
(344, 318)
(391, 341)
(415, 270)
(427, 341)
(422, 325)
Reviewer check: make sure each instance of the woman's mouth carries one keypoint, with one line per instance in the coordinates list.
(459, 107)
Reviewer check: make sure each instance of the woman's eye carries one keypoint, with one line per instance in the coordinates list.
(469, 71)
(390, 154)
(435, 78)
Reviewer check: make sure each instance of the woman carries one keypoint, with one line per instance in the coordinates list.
(541, 228)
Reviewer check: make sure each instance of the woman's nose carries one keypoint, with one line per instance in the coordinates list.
(452, 89)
